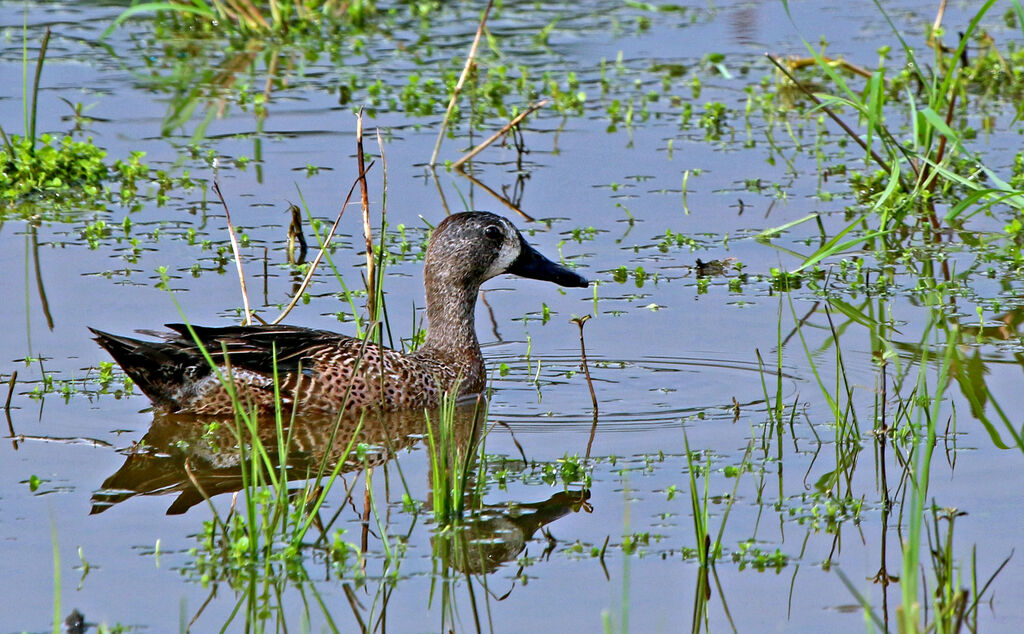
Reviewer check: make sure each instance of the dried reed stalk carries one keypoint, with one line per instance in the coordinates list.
(320, 254)
(371, 286)
(497, 135)
(238, 256)
(462, 80)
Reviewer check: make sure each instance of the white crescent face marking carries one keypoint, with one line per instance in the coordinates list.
(508, 252)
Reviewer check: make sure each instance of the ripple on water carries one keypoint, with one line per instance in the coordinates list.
(536, 393)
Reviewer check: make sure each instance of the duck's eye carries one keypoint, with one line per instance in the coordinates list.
(494, 232)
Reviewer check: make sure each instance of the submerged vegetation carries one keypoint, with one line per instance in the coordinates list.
(836, 228)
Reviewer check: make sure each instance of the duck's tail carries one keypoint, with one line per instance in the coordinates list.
(159, 368)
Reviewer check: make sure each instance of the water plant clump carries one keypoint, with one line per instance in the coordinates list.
(65, 174)
(225, 553)
(50, 166)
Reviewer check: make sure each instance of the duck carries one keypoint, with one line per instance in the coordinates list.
(320, 371)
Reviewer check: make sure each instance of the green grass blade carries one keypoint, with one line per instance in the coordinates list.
(769, 233)
(195, 9)
(834, 247)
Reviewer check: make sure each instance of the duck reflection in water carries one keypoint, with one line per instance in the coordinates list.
(199, 457)
(193, 456)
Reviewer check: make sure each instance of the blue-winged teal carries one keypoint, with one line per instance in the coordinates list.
(321, 371)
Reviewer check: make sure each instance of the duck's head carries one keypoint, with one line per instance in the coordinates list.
(468, 248)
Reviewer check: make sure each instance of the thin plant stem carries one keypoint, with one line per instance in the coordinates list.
(580, 321)
(320, 254)
(7, 141)
(381, 250)
(371, 297)
(295, 235)
(35, 91)
(43, 301)
(348, 296)
(238, 256)
(206, 497)
(440, 190)
(505, 201)
(497, 135)
(458, 85)
(10, 392)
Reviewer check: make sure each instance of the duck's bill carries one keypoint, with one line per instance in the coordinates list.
(535, 266)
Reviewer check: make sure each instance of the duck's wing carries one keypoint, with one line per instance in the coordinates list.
(259, 348)
(172, 372)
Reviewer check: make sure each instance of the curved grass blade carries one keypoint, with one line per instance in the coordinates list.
(196, 9)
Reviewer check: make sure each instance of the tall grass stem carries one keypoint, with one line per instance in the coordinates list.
(35, 90)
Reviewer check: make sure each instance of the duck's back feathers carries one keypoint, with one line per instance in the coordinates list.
(257, 347)
(315, 369)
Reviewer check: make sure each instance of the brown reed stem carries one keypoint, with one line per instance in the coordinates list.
(43, 301)
(502, 199)
(497, 135)
(579, 321)
(371, 295)
(238, 256)
(458, 85)
(295, 235)
(10, 392)
(320, 254)
(382, 309)
(928, 178)
(35, 90)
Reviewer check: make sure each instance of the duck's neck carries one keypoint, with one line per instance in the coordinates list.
(451, 308)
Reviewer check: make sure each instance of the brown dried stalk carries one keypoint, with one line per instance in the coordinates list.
(371, 296)
(497, 135)
(320, 254)
(579, 321)
(462, 80)
(10, 393)
(238, 256)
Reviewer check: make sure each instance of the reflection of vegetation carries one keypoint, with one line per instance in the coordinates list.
(248, 17)
(488, 538)
(245, 61)
(263, 545)
(259, 550)
(906, 430)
